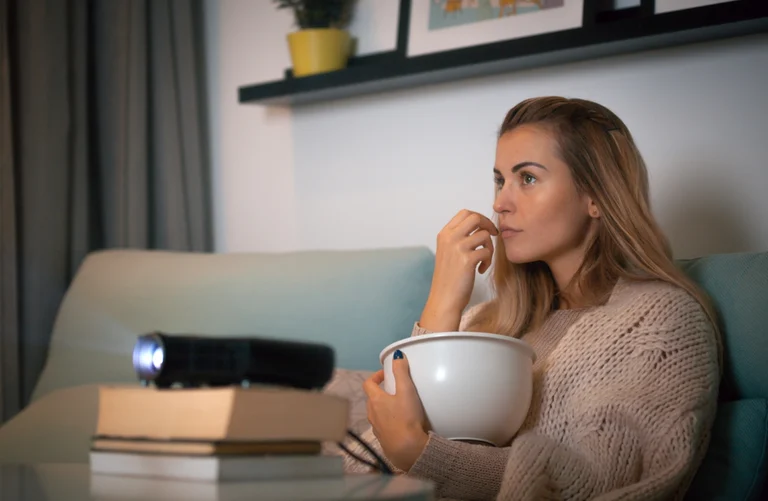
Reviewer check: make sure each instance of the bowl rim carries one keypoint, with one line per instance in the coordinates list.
(458, 335)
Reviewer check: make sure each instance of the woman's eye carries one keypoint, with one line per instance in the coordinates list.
(498, 181)
(527, 178)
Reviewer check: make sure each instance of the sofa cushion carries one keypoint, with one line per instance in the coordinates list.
(738, 286)
(54, 429)
(735, 465)
(356, 301)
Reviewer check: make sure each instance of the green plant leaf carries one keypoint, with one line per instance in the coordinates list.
(319, 13)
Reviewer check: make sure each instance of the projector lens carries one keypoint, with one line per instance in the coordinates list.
(157, 358)
(148, 356)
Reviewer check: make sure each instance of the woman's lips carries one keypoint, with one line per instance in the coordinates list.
(509, 232)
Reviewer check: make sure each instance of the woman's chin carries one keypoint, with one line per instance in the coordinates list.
(521, 258)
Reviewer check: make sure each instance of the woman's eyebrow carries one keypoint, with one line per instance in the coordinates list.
(526, 164)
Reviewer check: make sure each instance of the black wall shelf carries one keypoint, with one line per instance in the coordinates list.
(602, 34)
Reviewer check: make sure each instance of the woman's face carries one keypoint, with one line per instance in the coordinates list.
(542, 217)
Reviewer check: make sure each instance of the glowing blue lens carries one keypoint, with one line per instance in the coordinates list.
(148, 356)
(157, 358)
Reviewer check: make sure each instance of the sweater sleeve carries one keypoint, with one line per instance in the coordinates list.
(634, 419)
(460, 470)
(610, 466)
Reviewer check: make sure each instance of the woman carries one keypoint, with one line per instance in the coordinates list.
(628, 355)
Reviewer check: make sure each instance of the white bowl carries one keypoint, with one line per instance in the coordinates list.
(474, 386)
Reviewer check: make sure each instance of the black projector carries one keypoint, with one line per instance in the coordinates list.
(195, 361)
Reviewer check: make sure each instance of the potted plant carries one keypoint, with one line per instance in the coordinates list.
(322, 42)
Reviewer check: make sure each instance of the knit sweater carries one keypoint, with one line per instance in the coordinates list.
(624, 397)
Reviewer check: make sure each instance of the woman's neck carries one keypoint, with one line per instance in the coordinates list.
(564, 267)
(563, 270)
(564, 303)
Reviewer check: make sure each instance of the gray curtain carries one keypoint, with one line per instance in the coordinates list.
(103, 146)
(9, 350)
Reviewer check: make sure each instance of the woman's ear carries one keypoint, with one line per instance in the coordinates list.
(592, 209)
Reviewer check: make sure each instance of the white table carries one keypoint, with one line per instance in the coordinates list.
(74, 482)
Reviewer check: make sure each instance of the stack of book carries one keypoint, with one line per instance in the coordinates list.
(217, 434)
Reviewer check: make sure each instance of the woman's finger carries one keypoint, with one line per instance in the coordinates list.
(371, 385)
(482, 256)
(486, 260)
(377, 377)
(478, 238)
(458, 218)
(402, 372)
(476, 221)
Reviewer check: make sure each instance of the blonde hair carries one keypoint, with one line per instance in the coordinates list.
(606, 165)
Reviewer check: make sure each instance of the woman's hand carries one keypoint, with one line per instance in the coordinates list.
(463, 244)
(398, 420)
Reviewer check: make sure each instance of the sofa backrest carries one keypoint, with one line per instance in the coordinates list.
(330, 296)
(356, 301)
(737, 457)
(738, 286)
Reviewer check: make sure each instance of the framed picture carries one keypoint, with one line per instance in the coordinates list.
(441, 25)
(673, 5)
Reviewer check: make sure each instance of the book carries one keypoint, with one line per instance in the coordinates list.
(221, 414)
(200, 448)
(215, 468)
(111, 487)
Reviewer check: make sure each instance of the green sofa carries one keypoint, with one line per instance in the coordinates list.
(736, 462)
(357, 301)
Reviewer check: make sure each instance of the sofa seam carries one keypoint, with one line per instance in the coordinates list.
(757, 475)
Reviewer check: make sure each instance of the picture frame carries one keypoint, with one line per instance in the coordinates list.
(663, 6)
(608, 28)
(442, 25)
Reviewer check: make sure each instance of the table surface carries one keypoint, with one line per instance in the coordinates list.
(74, 482)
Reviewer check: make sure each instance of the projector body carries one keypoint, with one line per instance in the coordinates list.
(195, 361)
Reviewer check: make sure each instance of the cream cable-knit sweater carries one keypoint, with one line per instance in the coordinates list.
(624, 396)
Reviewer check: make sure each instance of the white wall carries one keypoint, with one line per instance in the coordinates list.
(252, 148)
(391, 169)
(253, 195)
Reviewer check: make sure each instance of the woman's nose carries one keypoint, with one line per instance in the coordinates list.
(502, 203)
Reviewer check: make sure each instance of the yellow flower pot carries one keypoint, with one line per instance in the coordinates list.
(318, 50)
